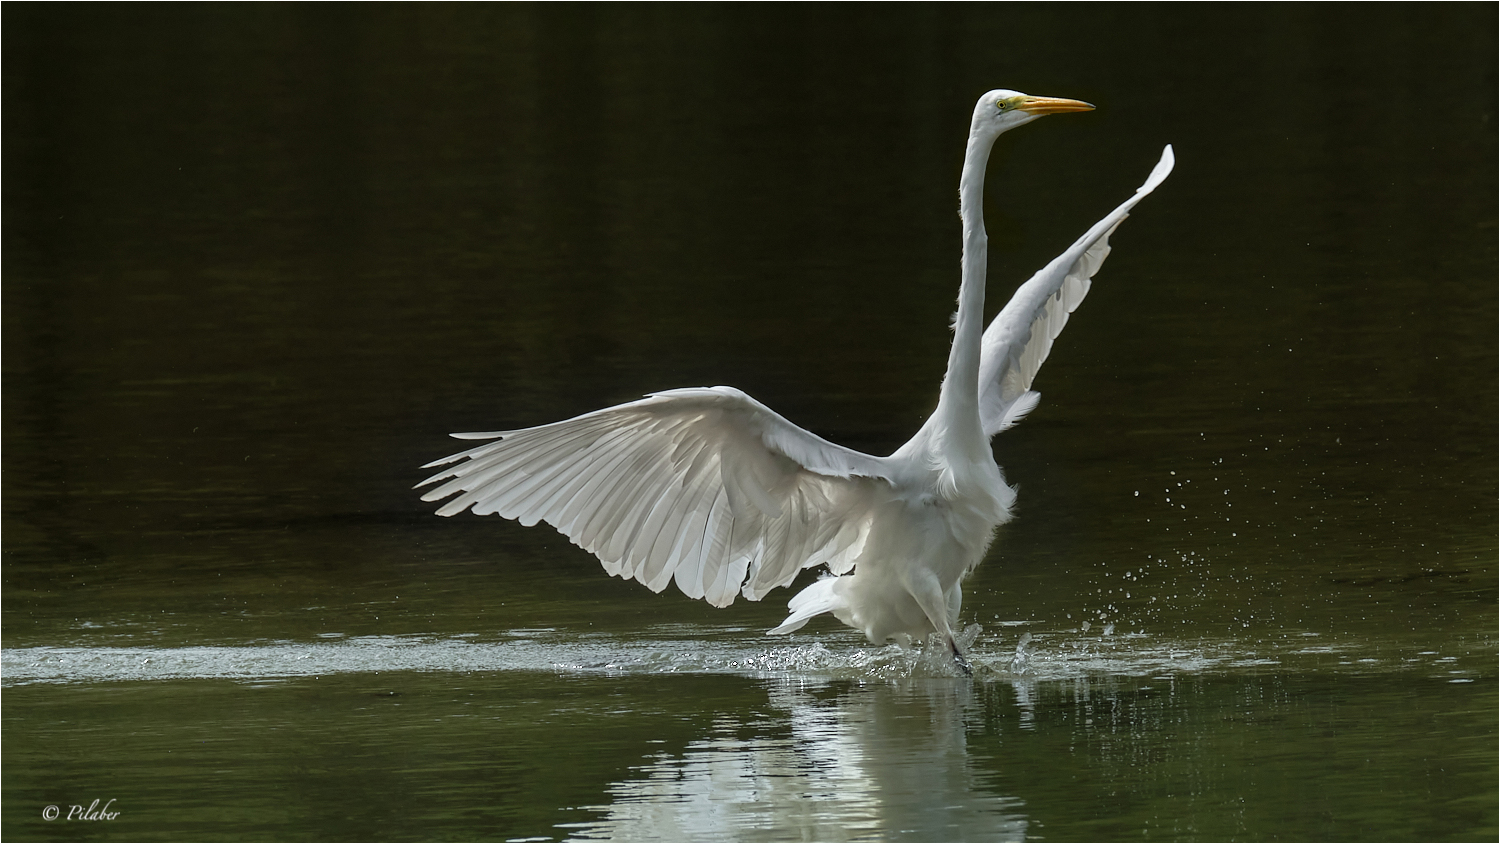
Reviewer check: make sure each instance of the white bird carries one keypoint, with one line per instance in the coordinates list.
(712, 489)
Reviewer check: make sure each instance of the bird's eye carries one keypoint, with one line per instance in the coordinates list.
(1002, 105)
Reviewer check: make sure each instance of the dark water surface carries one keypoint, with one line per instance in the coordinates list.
(259, 259)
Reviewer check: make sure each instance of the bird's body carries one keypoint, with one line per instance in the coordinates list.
(713, 490)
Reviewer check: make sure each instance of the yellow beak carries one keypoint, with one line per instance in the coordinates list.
(1051, 105)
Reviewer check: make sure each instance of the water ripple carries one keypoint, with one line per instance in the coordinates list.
(1043, 657)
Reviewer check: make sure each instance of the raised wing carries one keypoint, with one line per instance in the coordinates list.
(1020, 337)
(705, 486)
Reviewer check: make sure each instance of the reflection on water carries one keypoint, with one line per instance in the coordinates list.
(828, 762)
(545, 736)
(684, 733)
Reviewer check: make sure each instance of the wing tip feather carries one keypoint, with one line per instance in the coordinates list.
(1160, 172)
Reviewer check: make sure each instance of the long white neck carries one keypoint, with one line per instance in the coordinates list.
(958, 403)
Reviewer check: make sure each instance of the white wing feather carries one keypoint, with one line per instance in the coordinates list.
(712, 489)
(1020, 337)
(707, 487)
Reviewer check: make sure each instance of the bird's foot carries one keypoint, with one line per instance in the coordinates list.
(963, 664)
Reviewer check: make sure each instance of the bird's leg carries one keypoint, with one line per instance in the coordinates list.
(936, 605)
(960, 660)
(955, 601)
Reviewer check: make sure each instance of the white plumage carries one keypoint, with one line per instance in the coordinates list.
(711, 489)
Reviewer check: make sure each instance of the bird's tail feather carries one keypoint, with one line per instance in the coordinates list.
(816, 599)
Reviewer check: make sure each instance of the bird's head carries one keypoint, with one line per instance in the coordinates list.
(1002, 110)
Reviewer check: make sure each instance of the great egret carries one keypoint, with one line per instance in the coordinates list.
(708, 487)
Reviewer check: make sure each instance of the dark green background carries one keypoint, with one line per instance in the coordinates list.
(258, 259)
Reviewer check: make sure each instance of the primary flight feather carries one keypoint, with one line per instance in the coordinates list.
(708, 488)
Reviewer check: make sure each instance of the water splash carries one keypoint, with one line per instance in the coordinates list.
(1019, 662)
(1036, 656)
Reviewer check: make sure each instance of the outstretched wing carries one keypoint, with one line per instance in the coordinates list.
(1018, 340)
(705, 486)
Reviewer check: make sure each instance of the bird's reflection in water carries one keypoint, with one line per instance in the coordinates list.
(830, 761)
